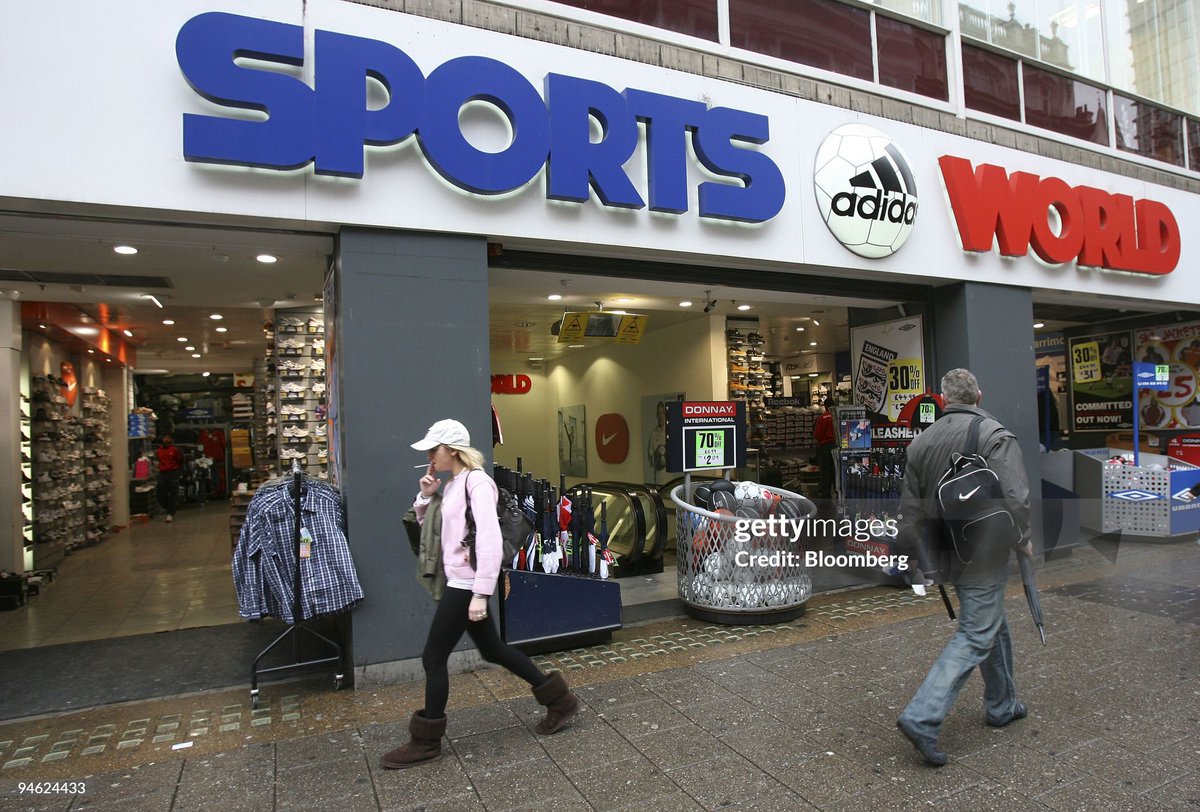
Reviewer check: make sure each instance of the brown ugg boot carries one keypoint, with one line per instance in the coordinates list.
(425, 744)
(559, 702)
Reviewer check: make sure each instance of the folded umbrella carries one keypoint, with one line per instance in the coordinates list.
(1031, 593)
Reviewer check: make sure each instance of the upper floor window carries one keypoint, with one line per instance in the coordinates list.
(1148, 130)
(990, 82)
(697, 18)
(911, 58)
(819, 33)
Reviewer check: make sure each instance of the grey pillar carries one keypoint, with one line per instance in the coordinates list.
(411, 347)
(989, 330)
(12, 517)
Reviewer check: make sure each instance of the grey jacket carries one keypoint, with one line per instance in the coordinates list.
(929, 456)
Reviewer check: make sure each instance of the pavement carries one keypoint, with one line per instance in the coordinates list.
(684, 715)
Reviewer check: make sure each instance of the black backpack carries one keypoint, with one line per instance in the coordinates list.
(971, 506)
(515, 526)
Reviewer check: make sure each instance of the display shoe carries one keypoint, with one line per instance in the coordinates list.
(926, 745)
(425, 743)
(559, 702)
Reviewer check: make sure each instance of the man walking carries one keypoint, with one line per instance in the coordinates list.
(982, 638)
(170, 468)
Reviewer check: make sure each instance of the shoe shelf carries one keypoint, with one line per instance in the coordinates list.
(297, 370)
(97, 460)
(56, 454)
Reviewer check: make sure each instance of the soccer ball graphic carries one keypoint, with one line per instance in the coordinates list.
(865, 190)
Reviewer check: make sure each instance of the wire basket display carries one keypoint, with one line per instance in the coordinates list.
(723, 579)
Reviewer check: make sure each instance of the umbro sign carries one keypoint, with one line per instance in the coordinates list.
(1134, 495)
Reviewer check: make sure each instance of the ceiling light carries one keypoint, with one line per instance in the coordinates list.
(152, 298)
(127, 333)
(205, 374)
(108, 360)
(168, 322)
(1037, 325)
(812, 374)
(189, 348)
(620, 312)
(127, 250)
(812, 343)
(539, 358)
(554, 297)
(576, 346)
(799, 329)
(91, 352)
(42, 326)
(267, 259)
(743, 307)
(216, 317)
(181, 340)
(195, 355)
(685, 304)
(816, 323)
(623, 300)
(222, 329)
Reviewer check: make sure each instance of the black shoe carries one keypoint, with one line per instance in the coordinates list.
(925, 745)
(1019, 713)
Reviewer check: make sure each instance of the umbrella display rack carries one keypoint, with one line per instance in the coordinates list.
(1152, 502)
(574, 601)
(719, 586)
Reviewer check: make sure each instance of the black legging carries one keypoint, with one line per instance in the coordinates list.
(449, 623)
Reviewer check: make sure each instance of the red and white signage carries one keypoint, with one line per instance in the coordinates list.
(1095, 229)
(718, 408)
(511, 384)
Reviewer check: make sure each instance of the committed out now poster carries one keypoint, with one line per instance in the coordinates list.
(1101, 382)
(1178, 345)
(888, 365)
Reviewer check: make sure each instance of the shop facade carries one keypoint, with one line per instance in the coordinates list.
(469, 144)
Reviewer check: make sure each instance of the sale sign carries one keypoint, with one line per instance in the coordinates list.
(1177, 347)
(1101, 382)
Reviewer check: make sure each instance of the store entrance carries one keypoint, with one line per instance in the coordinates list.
(131, 333)
(586, 409)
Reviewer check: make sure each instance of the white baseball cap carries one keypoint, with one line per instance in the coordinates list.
(444, 432)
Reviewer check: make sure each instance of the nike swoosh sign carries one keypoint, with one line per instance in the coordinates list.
(607, 438)
(962, 497)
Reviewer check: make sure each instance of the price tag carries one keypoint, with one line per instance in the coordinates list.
(306, 543)
(1085, 361)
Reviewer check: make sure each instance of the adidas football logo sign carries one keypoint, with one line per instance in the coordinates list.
(865, 190)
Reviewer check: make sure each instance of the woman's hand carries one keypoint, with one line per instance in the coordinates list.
(429, 483)
(478, 609)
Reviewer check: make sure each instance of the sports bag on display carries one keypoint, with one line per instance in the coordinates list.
(971, 504)
(515, 526)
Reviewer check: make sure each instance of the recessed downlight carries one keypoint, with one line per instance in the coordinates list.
(685, 303)
(216, 317)
(554, 297)
(181, 340)
(624, 300)
(205, 374)
(195, 355)
(189, 348)
(222, 329)
(1037, 325)
(743, 307)
(91, 352)
(267, 259)
(168, 322)
(128, 333)
(812, 343)
(799, 329)
(125, 250)
(576, 346)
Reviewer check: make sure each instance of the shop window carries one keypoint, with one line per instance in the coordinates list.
(697, 18)
(911, 58)
(818, 33)
(1144, 129)
(990, 83)
(1065, 105)
(1193, 134)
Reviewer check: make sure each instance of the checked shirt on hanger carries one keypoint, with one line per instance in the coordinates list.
(264, 563)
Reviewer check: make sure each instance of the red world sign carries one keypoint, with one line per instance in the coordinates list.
(1096, 229)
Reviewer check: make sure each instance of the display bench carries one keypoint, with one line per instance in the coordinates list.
(1156, 501)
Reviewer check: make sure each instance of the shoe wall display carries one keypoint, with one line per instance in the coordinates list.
(57, 472)
(27, 480)
(296, 368)
(97, 459)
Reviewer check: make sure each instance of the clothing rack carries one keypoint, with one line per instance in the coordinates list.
(293, 631)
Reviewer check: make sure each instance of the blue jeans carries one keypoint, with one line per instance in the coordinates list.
(982, 640)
